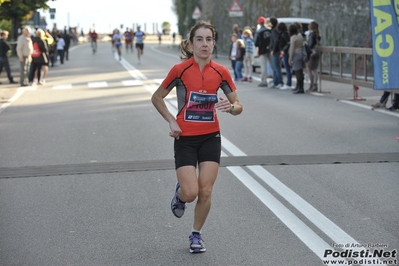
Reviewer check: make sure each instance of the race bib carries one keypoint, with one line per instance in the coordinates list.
(200, 107)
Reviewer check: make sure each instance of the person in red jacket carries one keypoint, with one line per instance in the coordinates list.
(195, 129)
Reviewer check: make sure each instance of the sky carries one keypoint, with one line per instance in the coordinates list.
(106, 16)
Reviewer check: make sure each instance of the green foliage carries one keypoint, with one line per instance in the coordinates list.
(5, 25)
(166, 25)
(184, 10)
(17, 9)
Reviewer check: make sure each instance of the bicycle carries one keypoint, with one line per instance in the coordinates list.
(94, 46)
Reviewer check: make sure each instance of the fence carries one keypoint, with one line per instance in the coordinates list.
(349, 65)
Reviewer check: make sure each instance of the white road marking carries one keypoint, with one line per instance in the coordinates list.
(132, 82)
(132, 70)
(62, 87)
(159, 81)
(370, 108)
(299, 228)
(11, 100)
(99, 84)
(29, 88)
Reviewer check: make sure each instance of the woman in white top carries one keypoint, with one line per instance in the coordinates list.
(60, 48)
(117, 38)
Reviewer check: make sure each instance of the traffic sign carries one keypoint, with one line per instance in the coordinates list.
(196, 13)
(52, 13)
(235, 10)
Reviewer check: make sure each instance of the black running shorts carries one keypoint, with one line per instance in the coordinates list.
(140, 45)
(192, 150)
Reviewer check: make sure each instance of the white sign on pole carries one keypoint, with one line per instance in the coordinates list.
(235, 10)
(196, 13)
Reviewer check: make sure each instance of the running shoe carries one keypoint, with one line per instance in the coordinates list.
(196, 243)
(176, 205)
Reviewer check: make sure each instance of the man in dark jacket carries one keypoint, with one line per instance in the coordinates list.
(262, 42)
(4, 48)
(67, 39)
(275, 52)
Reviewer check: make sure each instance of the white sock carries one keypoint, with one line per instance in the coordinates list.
(195, 231)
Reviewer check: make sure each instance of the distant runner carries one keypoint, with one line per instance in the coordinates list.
(140, 36)
(117, 38)
(129, 35)
(93, 39)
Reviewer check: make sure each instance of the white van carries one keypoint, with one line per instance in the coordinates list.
(305, 24)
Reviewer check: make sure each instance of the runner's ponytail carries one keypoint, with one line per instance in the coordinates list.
(185, 52)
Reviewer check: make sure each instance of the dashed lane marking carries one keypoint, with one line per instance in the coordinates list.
(100, 84)
(103, 84)
(132, 82)
(62, 87)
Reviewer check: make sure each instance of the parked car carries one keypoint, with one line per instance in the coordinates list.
(305, 24)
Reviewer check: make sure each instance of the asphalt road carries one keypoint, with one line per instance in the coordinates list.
(86, 173)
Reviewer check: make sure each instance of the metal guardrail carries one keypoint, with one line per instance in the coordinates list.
(337, 70)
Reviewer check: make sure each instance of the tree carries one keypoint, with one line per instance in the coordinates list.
(184, 10)
(166, 28)
(18, 11)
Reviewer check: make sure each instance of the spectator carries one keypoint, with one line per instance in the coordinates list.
(295, 57)
(300, 31)
(239, 59)
(4, 48)
(383, 100)
(284, 46)
(215, 47)
(314, 38)
(67, 40)
(24, 52)
(249, 54)
(275, 53)
(49, 40)
(60, 48)
(40, 57)
(262, 42)
(238, 31)
(52, 46)
(395, 103)
(233, 52)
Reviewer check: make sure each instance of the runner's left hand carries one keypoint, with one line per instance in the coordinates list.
(223, 105)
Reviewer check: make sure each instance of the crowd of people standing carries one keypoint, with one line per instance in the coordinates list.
(38, 50)
(276, 44)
